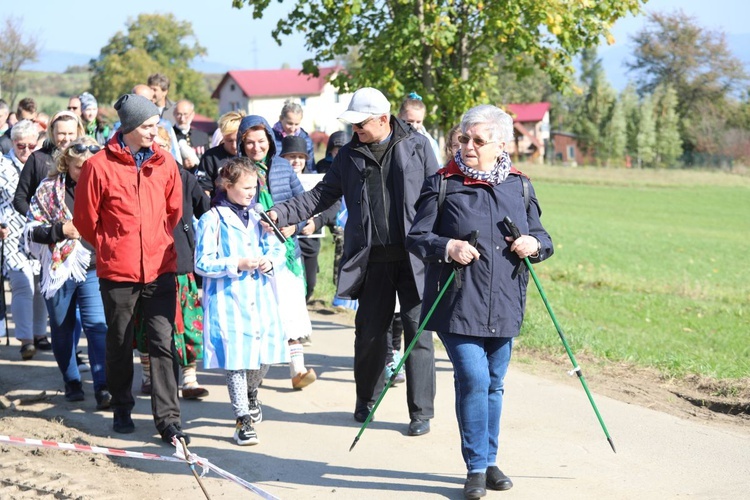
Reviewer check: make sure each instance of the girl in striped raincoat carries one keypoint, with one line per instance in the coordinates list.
(242, 332)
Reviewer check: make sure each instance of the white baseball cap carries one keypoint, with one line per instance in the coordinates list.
(366, 102)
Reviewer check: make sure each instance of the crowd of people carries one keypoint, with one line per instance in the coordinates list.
(149, 234)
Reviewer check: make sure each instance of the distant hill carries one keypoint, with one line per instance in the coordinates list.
(55, 61)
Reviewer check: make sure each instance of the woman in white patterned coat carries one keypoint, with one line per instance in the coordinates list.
(242, 330)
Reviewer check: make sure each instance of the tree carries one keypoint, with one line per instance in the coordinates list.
(615, 135)
(594, 111)
(629, 103)
(16, 49)
(668, 140)
(646, 137)
(673, 50)
(153, 43)
(446, 49)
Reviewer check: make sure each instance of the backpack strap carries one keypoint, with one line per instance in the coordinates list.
(441, 193)
(526, 195)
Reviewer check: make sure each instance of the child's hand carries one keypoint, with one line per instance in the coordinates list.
(265, 265)
(247, 264)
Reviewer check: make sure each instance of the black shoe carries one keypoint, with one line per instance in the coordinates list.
(474, 487)
(174, 431)
(103, 399)
(74, 391)
(42, 344)
(417, 427)
(123, 423)
(496, 480)
(362, 411)
(27, 351)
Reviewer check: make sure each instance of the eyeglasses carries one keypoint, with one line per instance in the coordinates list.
(478, 143)
(362, 124)
(24, 146)
(82, 148)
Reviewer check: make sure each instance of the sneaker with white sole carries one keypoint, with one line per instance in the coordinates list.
(256, 411)
(244, 434)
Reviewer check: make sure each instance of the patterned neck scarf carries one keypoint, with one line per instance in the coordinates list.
(494, 177)
(65, 259)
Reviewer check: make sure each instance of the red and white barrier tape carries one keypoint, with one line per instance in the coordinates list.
(191, 459)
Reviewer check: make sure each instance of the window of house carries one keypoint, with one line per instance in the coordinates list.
(336, 97)
(571, 152)
(234, 105)
(303, 100)
(232, 87)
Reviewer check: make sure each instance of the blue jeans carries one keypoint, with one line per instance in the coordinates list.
(62, 320)
(479, 368)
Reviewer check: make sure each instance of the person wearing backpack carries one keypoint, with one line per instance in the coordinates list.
(482, 310)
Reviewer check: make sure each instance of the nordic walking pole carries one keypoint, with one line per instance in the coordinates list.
(473, 241)
(577, 369)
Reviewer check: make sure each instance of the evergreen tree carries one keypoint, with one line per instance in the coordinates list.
(615, 135)
(646, 137)
(594, 110)
(629, 103)
(668, 141)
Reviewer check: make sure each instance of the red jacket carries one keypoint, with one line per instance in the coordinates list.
(128, 214)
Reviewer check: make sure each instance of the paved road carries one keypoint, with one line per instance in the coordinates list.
(551, 444)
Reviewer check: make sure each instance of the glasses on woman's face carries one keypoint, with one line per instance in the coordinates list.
(478, 143)
(82, 148)
(362, 124)
(24, 146)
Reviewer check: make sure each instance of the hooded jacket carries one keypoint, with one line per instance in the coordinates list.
(491, 300)
(128, 213)
(283, 183)
(412, 161)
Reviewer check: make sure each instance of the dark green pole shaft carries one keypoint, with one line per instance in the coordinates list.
(403, 359)
(577, 369)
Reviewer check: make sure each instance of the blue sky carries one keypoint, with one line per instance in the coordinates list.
(234, 39)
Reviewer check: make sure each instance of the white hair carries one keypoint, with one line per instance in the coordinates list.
(24, 128)
(499, 123)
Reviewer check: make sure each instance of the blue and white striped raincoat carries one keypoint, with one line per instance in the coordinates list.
(242, 325)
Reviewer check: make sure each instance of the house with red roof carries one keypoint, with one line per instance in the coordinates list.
(531, 128)
(263, 92)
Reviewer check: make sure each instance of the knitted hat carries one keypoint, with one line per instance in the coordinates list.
(87, 101)
(133, 110)
(293, 144)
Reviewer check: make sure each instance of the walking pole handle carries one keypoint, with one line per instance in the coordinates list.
(512, 228)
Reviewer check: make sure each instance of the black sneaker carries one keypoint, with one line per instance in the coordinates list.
(42, 344)
(103, 399)
(256, 412)
(123, 423)
(174, 431)
(74, 391)
(244, 434)
(362, 411)
(27, 351)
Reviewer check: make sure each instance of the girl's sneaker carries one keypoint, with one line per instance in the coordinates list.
(244, 434)
(401, 376)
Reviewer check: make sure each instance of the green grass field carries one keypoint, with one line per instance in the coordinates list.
(650, 268)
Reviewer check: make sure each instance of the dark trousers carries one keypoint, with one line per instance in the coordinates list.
(156, 301)
(377, 302)
(311, 274)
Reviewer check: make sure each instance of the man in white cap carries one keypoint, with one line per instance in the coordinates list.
(128, 200)
(380, 174)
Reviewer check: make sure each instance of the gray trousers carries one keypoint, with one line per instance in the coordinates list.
(27, 304)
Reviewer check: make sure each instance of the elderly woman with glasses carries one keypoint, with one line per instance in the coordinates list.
(69, 272)
(483, 308)
(22, 270)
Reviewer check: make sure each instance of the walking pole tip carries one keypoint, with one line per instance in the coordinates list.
(611, 443)
(356, 439)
